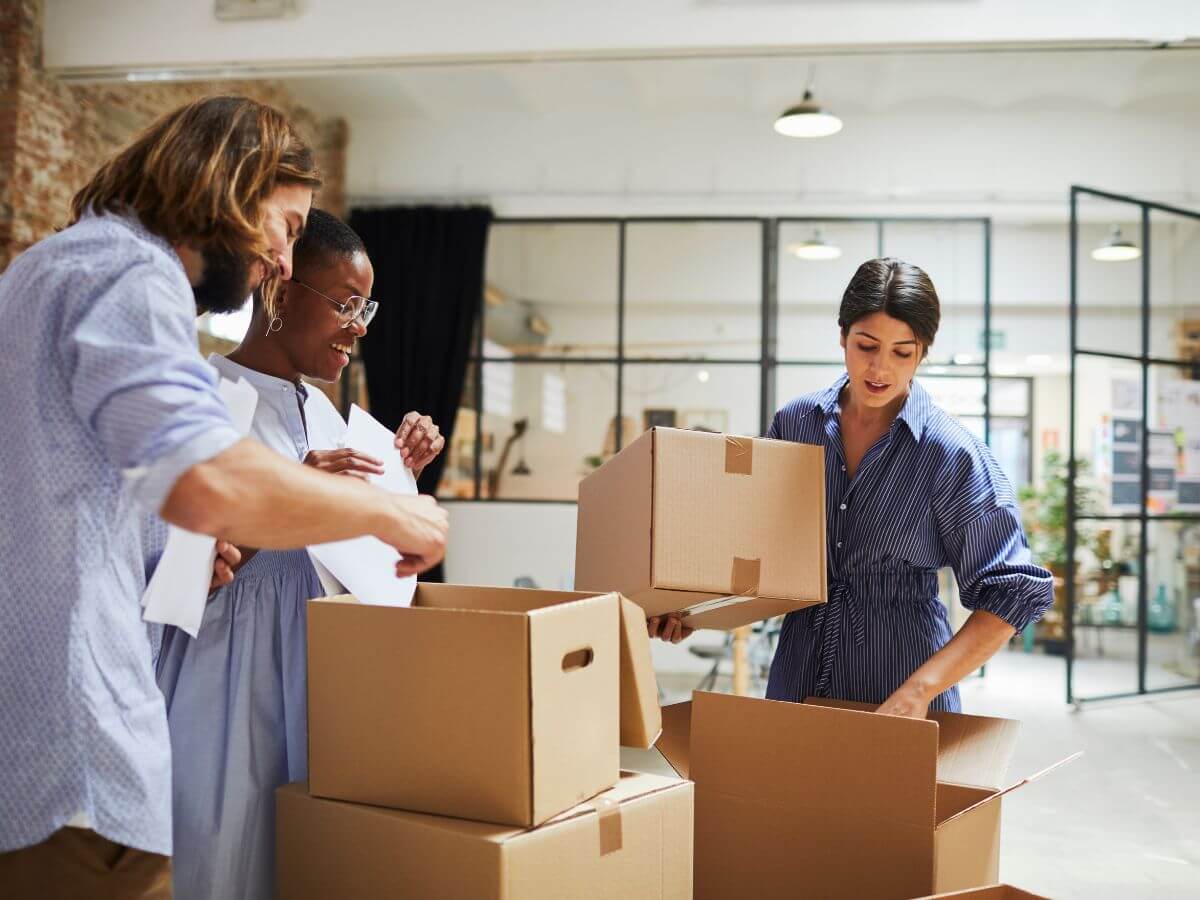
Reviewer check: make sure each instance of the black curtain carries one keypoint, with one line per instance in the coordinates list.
(429, 283)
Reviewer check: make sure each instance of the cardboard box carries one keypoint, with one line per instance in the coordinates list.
(634, 841)
(728, 530)
(498, 704)
(995, 892)
(828, 799)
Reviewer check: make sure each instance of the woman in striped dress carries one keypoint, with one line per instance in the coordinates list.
(908, 491)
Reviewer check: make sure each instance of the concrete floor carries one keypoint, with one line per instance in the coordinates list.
(1123, 821)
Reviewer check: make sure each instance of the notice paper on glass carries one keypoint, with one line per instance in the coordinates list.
(366, 566)
(178, 590)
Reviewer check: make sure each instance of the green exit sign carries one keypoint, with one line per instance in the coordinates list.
(999, 340)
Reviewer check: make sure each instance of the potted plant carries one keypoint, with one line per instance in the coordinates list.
(1044, 511)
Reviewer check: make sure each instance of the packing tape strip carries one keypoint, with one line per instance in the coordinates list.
(744, 580)
(609, 812)
(739, 455)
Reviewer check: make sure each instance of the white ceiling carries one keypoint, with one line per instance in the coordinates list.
(1146, 81)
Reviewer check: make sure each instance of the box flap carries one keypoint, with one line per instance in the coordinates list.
(675, 742)
(734, 515)
(641, 720)
(612, 539)
(766, 750)
(485, 598)
(975, 751)
(1020, 784)
(992, 892)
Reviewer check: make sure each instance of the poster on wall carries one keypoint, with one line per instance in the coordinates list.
(1162, 459)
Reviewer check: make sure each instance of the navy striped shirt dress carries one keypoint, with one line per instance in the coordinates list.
(928, 494)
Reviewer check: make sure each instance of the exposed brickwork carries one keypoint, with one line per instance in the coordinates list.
(54, 135)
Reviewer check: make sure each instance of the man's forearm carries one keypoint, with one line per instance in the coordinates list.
(254, 497)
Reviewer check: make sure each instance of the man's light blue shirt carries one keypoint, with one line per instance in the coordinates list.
(104, 403)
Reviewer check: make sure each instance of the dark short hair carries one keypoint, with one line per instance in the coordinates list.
(325, 235)
(897, 288)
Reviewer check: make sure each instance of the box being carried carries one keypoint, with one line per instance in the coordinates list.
(497, 704)
(633, 841)
(727, 530)
(829, 799)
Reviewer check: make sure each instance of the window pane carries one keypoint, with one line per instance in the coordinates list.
(1108, 424)
(952, 254)
(693, 290)
(1174, 451)
(792, 381)
(1108, 293)
(1173, 604)
(1106, 598)
(1174, 274)
(545, 427)
(552, 289)
(721, 398)
(810, 290)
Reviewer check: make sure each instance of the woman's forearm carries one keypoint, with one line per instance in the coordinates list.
(980, 638)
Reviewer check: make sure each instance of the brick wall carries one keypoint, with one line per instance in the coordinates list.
(53, 135)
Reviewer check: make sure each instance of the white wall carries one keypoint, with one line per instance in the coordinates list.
(180, 34)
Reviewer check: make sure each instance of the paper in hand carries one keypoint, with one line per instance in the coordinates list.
(366, 566)
(178, 590)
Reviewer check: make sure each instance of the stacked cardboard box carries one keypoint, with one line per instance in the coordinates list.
(468, 746)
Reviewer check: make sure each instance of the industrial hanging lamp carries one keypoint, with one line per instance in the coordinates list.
(1116, 248)
(808, 119)
(815, 249)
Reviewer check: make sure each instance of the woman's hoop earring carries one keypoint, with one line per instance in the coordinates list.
(276, 324)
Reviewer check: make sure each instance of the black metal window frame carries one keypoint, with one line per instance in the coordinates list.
(1143, 517)
(767, 361)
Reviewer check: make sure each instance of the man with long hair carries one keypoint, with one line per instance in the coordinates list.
(109, 413)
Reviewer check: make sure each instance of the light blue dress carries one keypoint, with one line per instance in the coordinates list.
(235, 694)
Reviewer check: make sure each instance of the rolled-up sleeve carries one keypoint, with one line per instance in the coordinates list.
(138, 381)
(995, 570)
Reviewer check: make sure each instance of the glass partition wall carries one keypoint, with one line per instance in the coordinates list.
(594, 330)
(1132, 569)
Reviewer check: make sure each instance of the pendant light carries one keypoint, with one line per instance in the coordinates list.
(1116, 248)
(815, 249)
(808, 119)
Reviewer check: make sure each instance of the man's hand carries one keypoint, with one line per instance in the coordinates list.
(417, 527)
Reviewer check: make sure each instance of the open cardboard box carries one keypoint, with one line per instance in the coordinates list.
(726, 530)
(498, 704)
(633, 841)
(829, 799)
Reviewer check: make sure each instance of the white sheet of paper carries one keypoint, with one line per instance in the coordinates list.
(366, 566)
(178, 590)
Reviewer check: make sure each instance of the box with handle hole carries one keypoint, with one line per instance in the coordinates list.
(501, 705)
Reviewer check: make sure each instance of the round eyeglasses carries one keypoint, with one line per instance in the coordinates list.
(354, 306)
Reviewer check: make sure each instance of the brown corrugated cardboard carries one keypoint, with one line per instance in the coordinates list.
(994, 892)
(497, 704)
(729, 530)
(634, 841)
(862, 804)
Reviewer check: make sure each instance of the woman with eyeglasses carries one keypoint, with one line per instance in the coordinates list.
(236, 693)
